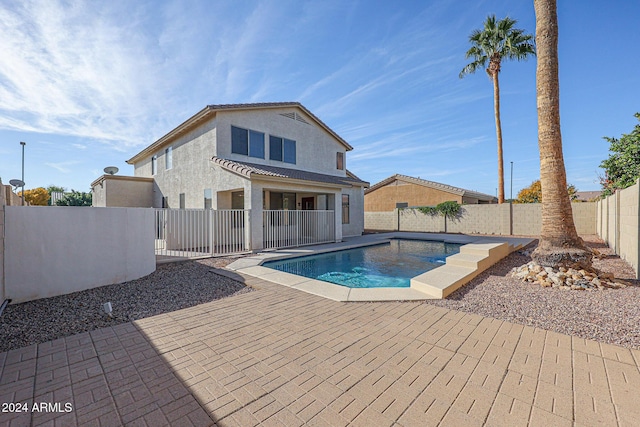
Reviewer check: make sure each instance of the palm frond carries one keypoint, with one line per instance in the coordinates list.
(472, 67)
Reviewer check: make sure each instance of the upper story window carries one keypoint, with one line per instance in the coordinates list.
(247, 142)
(168, 158)
(282, 149)
(340, 161)
(154, 164)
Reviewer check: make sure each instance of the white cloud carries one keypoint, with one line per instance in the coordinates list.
(64, 167)
(75, 69)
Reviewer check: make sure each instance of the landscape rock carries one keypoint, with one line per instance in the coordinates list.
(566, 278)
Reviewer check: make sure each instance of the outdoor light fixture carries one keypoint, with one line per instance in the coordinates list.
(107, 308)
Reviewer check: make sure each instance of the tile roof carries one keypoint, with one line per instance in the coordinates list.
(250, 169)
(588, 196)
(213, 108)
(431, 184)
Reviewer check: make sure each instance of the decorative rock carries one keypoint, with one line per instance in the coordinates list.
(565, 278)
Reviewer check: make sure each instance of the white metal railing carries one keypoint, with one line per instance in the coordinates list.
(201, 232)
(287, 228)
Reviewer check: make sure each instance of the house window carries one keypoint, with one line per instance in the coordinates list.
(282, 201)
(345, 209)
(237, 200)
(207, 198)
(340, 161)
(165, 202)
(154, 164)
(247, 142)
(282, 149)
(182, 201)
(168, 158)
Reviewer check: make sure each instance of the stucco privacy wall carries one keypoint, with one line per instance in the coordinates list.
(123, 191)
(505, 219)
(2, 204)
(619, 224)
(53, 251)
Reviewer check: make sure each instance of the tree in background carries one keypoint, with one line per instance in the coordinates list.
(533, 193)
(75, 198)
(622, 168)
(560, 245)
(36, 197)
(498, 40)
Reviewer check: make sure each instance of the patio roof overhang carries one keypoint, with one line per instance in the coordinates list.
(253, 171)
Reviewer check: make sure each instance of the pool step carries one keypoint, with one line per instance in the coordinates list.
(472, 260)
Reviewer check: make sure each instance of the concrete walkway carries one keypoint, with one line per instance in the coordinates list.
(282, 357)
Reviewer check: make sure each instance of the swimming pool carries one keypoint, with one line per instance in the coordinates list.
(387, 265)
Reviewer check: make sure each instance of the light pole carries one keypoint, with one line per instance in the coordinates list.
(511, 195)
(23, 144)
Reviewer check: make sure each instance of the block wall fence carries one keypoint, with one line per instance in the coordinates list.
(618, 224)
(505, 220)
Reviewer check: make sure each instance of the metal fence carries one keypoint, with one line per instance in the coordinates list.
(288, 228)
(201, 232)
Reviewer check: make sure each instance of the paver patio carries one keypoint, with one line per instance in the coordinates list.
(279, 356)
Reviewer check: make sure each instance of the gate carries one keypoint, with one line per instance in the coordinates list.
(201, 232)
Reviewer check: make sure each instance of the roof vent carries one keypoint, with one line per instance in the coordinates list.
(295, 116)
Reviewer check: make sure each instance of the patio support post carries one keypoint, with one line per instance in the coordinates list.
(253, 202)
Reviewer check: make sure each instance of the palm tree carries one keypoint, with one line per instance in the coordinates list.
(559, 242)
(498, 40)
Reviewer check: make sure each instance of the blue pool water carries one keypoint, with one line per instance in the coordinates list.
(389, 265)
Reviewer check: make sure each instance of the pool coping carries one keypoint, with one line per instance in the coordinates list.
(434, 284)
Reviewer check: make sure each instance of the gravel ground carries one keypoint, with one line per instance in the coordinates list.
(608, 315)
(171, 287)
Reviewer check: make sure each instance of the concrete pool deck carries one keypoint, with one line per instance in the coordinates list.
(477, 254)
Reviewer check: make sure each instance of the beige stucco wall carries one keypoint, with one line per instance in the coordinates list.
(525, 219)
(193, 172)
(58, 250)
(356, 212)
(122, 191)
(190, 173)
(2, 205)
(315, 148)
(384, 199)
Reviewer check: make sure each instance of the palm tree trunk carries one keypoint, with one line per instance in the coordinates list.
(496, 108)
(559, 242)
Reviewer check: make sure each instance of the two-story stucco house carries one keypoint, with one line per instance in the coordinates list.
(263, 156)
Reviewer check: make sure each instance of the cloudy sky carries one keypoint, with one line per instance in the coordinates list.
(89, 84)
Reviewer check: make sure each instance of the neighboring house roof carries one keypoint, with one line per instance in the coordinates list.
(211, 110)
(587, 196)
(250, 170)
(431, 184)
